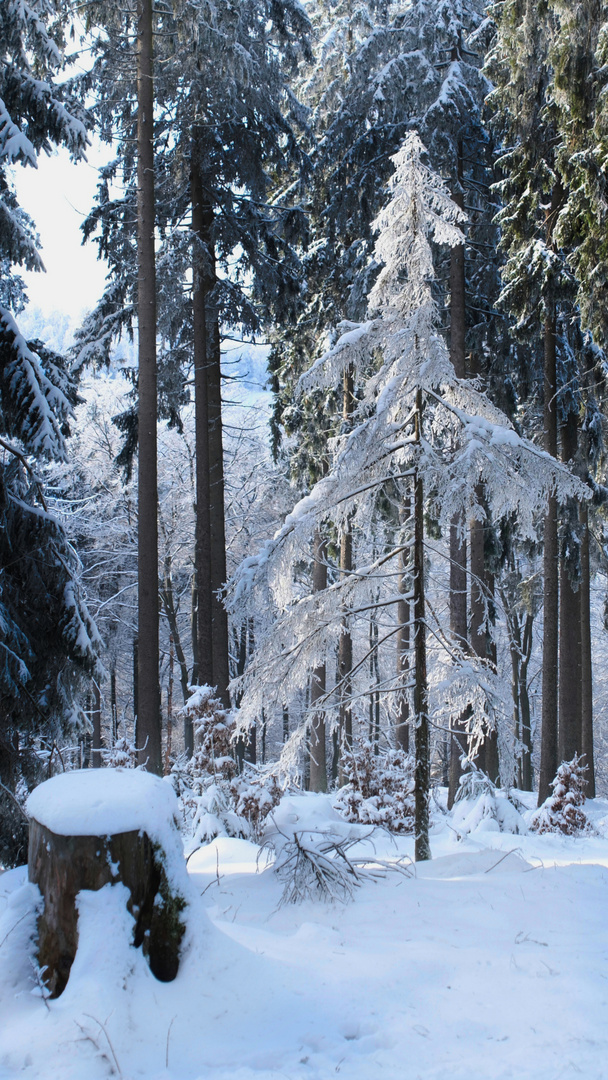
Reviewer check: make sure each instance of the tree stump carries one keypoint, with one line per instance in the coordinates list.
(79, 840)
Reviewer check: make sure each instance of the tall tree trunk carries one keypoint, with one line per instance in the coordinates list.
(524, 705)
(478, 606)
(318, 752)
(221, 671)
(586, 668)
(492, 758)
(136, 693)
(149, 722)
(113, 704)
(169, 706)
(548, 748)
(570, 733)
(549, 715)
(202, 549)
(345, 644)
(421, 705)
(402, 726)
(458, 544)
(96, 746)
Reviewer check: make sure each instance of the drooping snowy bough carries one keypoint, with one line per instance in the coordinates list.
(94, 827)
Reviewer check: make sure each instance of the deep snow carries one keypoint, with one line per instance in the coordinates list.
(488, 962)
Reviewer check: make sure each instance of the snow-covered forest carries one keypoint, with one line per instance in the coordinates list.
(307, 517)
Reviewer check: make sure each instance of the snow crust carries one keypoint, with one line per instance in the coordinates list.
(102, 802)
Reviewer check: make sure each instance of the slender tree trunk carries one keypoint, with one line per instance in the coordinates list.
(548, 749)
(402, 727)
(96, 747)
(135, 692)
(202, 553)
(549, 715)
(514, 631)
(345, 644)
(169, 706)
(478, 609)
(458, 544)
(149, 722)
(586, 669)
(524, 705)
(318, 752)
(221, 671)
(570, 733)
(492, 758)
(113, 705)
(421, 707)
(285, 723)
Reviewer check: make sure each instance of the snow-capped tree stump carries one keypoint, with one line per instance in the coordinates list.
(90, 829)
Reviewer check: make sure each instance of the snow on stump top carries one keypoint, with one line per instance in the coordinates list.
(94, 827)
(101, 802)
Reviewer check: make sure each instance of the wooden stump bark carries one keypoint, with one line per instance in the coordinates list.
(63, 865)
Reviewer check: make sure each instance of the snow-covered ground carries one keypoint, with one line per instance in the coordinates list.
(488, 962)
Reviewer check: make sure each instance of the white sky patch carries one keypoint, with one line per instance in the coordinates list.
(58, 195)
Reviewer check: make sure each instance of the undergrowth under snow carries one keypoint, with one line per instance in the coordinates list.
(487, 963)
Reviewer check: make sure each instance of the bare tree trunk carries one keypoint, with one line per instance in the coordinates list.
(586, 668)
(149, 722)
(221, 671)
(135, 692)
(492, 758)
(402, 727)
(570, 733)
(202, 553)
(524, 698)
(548, 750)
(478, 609)
(318, 752)
(345, 644)
(169, 706)
(458, 544)
(549, 715)
(113, 705)
(421, 706)
(96, 747)
(514, 630)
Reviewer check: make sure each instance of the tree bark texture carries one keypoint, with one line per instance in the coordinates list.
(318, 752)
(548, 749)
(148, 712)
(458, 544)
(569, 704)
(586, 665)
(202, 552)
(402, 726)
(96, 745)
(421, 705)
(63, 865)
(221, 670)
(345, 644)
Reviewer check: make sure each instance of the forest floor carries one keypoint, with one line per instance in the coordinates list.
(488, 962)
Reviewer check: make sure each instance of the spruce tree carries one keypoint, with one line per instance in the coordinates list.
(46, 633)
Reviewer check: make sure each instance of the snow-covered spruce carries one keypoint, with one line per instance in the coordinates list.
(215, 799)
(481, 807)
(378, 788)
(562, 812)
(466, 445)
